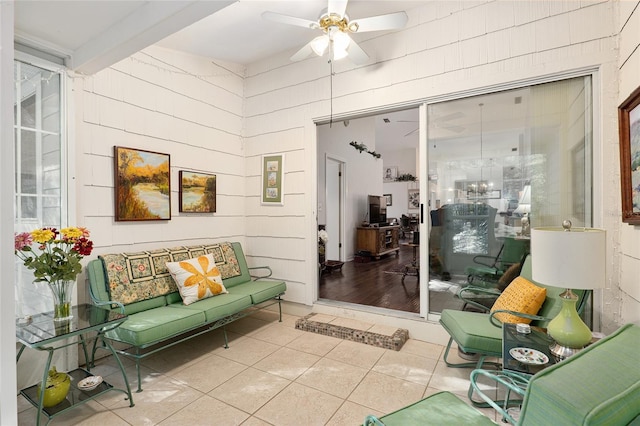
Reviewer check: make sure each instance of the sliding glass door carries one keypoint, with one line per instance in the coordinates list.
(499, 164)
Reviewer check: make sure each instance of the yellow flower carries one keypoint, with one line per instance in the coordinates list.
(72, 233)
(42, 235)
(203, 281)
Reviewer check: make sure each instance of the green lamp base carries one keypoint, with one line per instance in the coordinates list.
(567, 329)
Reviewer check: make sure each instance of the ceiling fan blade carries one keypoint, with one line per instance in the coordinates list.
(411, 132)
(290, 20)
(303, 53)
(338, 7)
(382, 22)
(356, 54)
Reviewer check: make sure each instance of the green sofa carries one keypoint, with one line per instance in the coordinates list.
(139, 285)
(598, 386)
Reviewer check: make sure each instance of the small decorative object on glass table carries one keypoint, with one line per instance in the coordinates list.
(525, 352)
(568, 258)
(55, 258)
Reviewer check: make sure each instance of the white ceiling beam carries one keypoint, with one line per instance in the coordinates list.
(147, 25)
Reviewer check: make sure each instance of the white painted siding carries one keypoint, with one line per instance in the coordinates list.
(447, 48)
(169, 102)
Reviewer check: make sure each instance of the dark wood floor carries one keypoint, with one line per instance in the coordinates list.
(370, 284)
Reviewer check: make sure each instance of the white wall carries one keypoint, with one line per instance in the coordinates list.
(447, 48)
(363, 172)
(160, 100)
(622, 305)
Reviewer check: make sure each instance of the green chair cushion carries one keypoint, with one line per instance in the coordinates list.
(472, 331)
(260, 290)
(148, 327)
(598, 386)
(217, 307)
(443, 408)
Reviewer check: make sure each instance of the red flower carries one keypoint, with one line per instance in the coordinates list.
(83, 246)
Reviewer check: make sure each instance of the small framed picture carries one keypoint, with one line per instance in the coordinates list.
(389, 199)
(272, 180)
(414, 198)
(629, 129)
(197, 192)
(390, 174)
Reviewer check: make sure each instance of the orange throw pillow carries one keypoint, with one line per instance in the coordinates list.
(519, 296)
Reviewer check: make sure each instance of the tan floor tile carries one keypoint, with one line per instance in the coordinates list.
(385, 330)
(316, 344)
(206, 411)
(358, 354)
(115, 379)
(247, 325)
(425, 349)
(322, 318)
(278, 334)
(254, 421)
(352, 323)
(351, 414)
(287, 363)
(249, 390)
(101, 419)
(158, 401)
(247, 351)
(299, 405)
(406, 366)
(333, 377)
(386, 393)
(208, 373)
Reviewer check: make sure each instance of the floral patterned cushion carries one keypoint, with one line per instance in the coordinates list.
(197, 278)
(133, 277)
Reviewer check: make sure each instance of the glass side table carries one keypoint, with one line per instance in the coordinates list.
(42, 333)
(536, 340)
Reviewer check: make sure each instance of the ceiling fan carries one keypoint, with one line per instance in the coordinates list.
(440, 122)
(336, 27)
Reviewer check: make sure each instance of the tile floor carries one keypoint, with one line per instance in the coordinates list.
(272, 374)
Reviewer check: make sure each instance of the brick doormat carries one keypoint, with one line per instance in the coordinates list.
(393, 341)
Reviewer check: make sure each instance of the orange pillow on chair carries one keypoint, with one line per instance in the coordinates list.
(519, 296)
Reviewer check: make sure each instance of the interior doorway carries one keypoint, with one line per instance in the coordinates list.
(334, 188)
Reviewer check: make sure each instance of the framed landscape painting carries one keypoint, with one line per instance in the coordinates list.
(142, 185)
(629, 128)
(197, 192)
(272, 180)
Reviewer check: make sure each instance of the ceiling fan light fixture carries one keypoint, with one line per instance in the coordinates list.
(319, 44)
(340, 45)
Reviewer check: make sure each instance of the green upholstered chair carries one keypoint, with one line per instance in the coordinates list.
(487, 270)
(599, 386)
(479, 333)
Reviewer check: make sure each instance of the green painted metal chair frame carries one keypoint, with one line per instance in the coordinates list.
(487, 270)
(576, 391)
(480, 333)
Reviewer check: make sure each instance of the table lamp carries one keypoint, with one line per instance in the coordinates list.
(571, 259)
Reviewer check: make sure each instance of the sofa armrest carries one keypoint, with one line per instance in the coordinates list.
(257, 277)
(497, 323)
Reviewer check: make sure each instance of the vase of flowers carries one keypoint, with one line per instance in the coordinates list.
(55, 258)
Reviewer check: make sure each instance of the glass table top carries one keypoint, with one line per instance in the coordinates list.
(42, 329)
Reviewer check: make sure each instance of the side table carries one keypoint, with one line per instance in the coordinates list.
(414, 265)
(44, 334)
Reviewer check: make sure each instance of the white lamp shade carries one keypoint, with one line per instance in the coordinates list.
(524, 203)
(572, 259)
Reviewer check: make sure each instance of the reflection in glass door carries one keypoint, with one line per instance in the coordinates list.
(499, 164)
